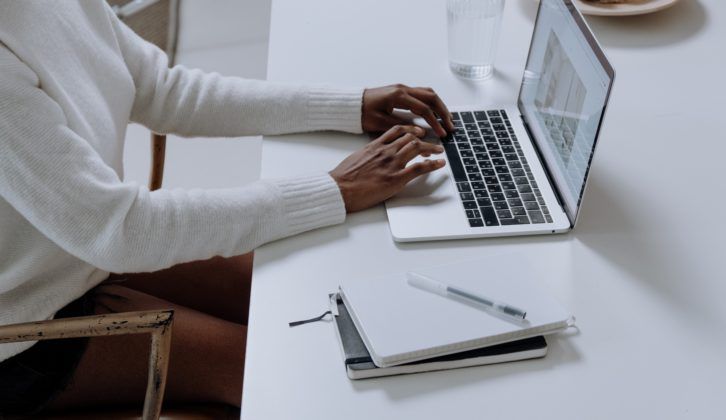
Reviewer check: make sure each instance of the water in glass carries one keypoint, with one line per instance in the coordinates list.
(473, 27)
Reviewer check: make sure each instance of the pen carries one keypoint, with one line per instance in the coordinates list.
(434, 286)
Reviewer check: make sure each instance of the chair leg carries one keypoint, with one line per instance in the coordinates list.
(158, 152)
(158, 366)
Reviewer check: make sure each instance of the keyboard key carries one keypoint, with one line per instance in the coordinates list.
(469, 161)
(473, 134)
(490, 217)
(467, 153)
(460, 138)
(484, 202)
(499, 162)
(480, 115)
(502, 170)
(548, 218)
(491, 180)
(511, 156)
(520, 180)
(536, 217)
(464, 146)
(478, 186)
(495, 154)
(476, 223)
(470, 205)
(514, 203)
(476, 141)
(508, 149)
(507, 185)
(522, 220)
(473, 169)
(511, 194)
(481, 194)
(501, 205)
(463, 186)
(524, 188)
(496, 120)
(457, 169)
(466, 196)
(467, 117)
(497, 197)
(506, 222)
(473, 214)
(455, 116)
(475, 177)
(471, 126)
(488, 172)
(531, 205)
(519, 211)
(518, 172)
(504, 214)
(495, 188)
(505, 177)
(528, 197)
(493, 113)
(479, 149)
(499, 127)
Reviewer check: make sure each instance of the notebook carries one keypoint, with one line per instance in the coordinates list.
(401, 324)
(359, 365)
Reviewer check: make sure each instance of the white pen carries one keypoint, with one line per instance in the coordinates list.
(434, 286)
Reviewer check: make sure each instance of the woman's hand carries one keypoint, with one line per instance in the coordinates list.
(378, 171)
(379, 103)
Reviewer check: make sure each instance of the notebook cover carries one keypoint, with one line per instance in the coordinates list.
(401, 324)
(359, 364)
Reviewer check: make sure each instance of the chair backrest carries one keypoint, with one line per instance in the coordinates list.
(157, 21)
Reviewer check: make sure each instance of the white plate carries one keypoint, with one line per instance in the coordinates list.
(633, 7)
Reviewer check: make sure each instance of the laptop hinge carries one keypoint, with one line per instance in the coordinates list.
(550, 179)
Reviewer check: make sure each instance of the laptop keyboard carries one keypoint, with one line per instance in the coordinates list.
(493, 177)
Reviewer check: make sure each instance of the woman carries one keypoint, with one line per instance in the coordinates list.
(71, 77)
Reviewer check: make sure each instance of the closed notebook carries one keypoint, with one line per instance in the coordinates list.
(402, 324)
(359, 365)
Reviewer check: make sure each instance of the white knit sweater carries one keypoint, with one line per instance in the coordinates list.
(71, 78)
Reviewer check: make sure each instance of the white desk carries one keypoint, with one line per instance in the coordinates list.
(643, 271)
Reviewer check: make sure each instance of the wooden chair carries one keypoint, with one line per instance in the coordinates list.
(156, 323)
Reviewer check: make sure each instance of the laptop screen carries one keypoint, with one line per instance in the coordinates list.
(564, 91)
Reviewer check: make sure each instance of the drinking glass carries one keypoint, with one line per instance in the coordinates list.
(473, 33)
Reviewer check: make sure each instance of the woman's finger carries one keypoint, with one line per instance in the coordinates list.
(421, 109)
(403, 141)
(430, 97)
(415, 148)
(411, 172)
(397, 131)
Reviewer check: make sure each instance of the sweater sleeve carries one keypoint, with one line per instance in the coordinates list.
(58, 182)
(190, 102)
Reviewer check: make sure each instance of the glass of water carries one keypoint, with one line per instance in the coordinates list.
(473, 27)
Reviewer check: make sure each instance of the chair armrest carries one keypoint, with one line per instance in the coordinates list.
(87, 326)
(156, 323)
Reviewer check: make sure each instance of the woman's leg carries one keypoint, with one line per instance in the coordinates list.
(217, 286)
(113, 369)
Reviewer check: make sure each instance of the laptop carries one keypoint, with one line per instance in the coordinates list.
(520, 169)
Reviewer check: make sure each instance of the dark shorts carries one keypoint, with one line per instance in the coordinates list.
(30, 380)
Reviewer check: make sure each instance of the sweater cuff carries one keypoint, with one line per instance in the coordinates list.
(310, 202)
(335, 109)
